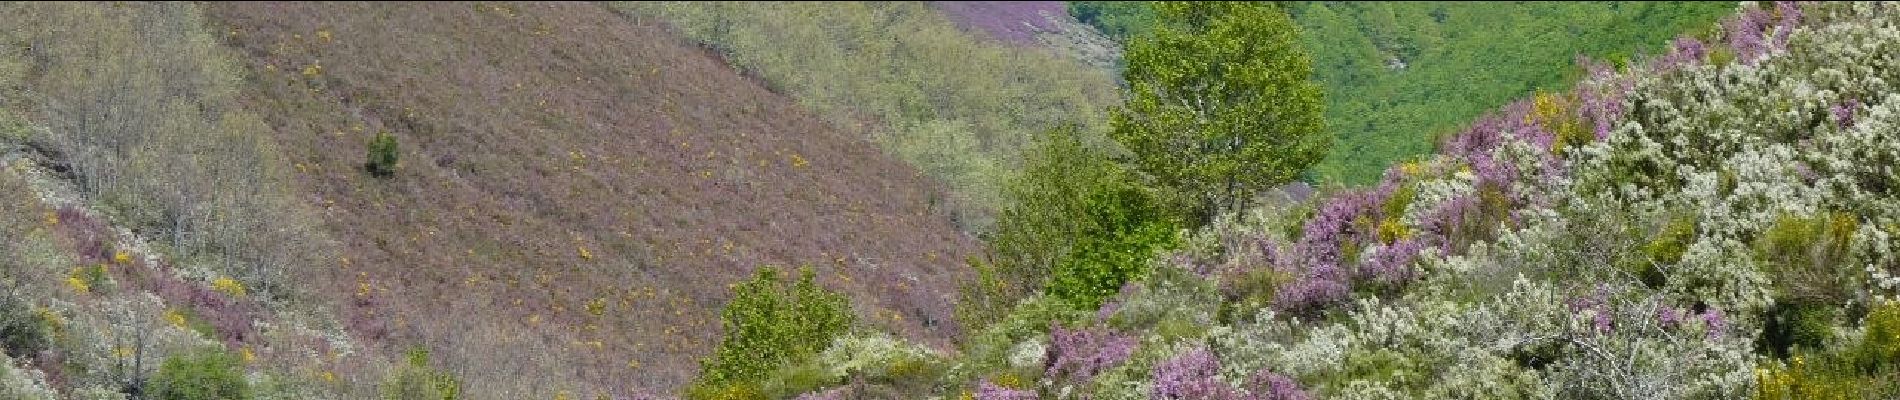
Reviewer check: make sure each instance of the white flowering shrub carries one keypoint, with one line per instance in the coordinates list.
(23, 383)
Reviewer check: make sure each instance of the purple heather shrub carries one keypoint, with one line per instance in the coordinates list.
(1598, 302)
(1483, 136)
(1684, 51)
(1602, 95)
(1717, 325)
(1668, 317)
(1478, 145)
(1079, 354)
(1272, 253)
(1844, 113)
(1108, 310)
(1322, 286)
(1392, 265)
(989, 391)
(1745, 33)
(1807, 173)
(1193, 374)
(1272, 386)
(1190, 263)
(1332, 226)
(1790, 14)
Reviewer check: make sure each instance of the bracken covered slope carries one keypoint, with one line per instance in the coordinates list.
(576, 189)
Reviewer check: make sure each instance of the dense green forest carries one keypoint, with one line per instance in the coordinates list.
(1400, 74)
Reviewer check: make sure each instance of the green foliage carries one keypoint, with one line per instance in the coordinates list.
(1819, 377)
(23, 331)
(1080, 227)
(1399, 73)
(205, 374)
(986, 352)
(1791, 327)
(1805, 256)
(382, 155)
(987, 297)
(768, 325)
(1133, 230)
(1220, 105)
(416, 380)
(1117, 19)
(1879, 348)
(144, 100)
(1251, 291)
(1665, 248)
(1863, 370)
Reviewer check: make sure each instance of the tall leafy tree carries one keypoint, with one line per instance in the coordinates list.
(1220, 105)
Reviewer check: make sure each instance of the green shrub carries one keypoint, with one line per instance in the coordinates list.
(1794, 326)
(1805, 256)
(987, 298)
(1665, 248)
(986, 352)
(1081, 226)
(382, 155)
(1879, 348)
(1101, 263)
(769, 325)
(205, 374)
(416, 380)
(1250, 291)
(1863, 370)
(23, 332)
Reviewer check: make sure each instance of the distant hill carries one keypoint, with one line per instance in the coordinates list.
(576, 188)
(937, 94)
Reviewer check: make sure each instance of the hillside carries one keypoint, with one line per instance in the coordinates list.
(561, 156)
(952, 102)
(1046, 24)
(1713, 222)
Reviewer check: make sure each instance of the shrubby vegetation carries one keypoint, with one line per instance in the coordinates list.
(205, 374)
(1081, 226)
(1717, 221)
(415, 379)
(139, 102)
(382, 155)
(961, 109)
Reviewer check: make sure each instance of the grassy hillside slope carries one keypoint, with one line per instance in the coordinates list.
(956, 105)
(575, 191)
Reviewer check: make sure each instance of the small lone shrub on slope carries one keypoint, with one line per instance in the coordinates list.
(382, 155)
